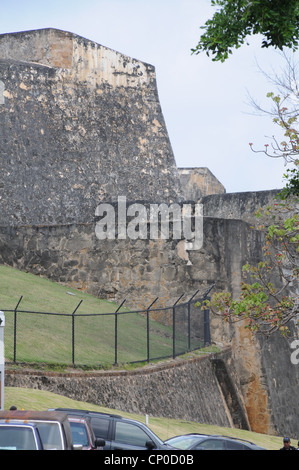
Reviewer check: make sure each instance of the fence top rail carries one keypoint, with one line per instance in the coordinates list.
(36, 312)
(118, 312)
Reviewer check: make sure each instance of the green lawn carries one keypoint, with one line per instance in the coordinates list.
(40, 294)
(48, 338)
(32, 399)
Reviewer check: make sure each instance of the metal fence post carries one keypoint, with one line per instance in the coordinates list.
(147, 328)
(115, 331)
(173, 326)
(73, 332)
(206, 326)
(189, 321)
(15, 331)
(206, 318)
(204, 297)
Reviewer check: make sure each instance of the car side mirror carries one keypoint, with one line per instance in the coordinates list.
(150, 445)
(100, 442)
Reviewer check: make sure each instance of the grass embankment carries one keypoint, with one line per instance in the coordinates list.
(43, 338)
(48, 338)
(32, 399)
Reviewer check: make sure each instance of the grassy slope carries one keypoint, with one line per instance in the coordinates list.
(40, 294)
(41, 400)
(94, 335)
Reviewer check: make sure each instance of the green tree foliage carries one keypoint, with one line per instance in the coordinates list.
(292, 185)
(276, 20)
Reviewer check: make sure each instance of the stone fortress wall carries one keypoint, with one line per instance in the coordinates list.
(88, 125)
(80, 125)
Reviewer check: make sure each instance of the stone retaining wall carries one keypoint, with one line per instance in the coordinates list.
(182, 389)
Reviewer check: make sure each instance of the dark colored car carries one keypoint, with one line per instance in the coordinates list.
(83, 434)
(19, 436)
(120, 433)
(210, 442)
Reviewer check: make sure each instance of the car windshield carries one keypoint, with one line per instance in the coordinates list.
(51, 435)
(79, 434)
(17, 438)
(184, 442)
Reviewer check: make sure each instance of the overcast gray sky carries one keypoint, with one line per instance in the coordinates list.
(204, 103)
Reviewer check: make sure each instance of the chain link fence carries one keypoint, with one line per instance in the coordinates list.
(98, 339)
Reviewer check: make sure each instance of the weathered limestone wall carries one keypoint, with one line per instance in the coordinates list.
(77, 129)
(242, 206)
(189, 390)
(136, 270)
(199, 182)
(281, 378)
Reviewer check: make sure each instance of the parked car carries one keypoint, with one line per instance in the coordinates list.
(83, 434)
(120, 433)
(54, 427)
(210, 442)
(19, 436)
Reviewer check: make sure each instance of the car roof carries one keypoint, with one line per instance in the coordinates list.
(3, 422)
(239, 439)
(51, 416)
(214, 436)
(87, 412)
(191, 434)
(27, 415)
